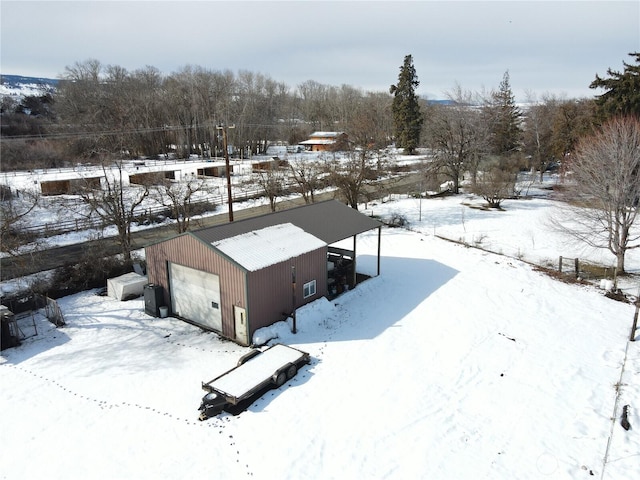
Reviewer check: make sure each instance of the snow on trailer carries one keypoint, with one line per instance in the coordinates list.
(243, 379)
(255, 371)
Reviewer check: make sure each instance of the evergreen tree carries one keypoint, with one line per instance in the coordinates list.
(505, 119)
(407, 117)
(623, 90)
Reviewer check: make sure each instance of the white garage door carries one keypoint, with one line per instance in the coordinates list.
(195, 295)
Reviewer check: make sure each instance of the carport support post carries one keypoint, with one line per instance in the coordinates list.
(293, 297)
(379, 239)
(354, 277)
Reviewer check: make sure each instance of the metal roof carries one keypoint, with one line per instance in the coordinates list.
(322, 138)
(330, 221)
(270, 245)
(328, 141)
(326, 134)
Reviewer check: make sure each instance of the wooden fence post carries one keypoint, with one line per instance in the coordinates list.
(577, 262)
(560, 264)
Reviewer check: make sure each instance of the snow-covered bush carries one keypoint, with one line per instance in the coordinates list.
(397, 220)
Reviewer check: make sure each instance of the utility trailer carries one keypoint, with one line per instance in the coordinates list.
(255, 372)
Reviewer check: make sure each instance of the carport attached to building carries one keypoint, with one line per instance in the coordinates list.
(237, 277)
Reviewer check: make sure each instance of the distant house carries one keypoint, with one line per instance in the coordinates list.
(241, 276)
(325, 142)
(265, 165)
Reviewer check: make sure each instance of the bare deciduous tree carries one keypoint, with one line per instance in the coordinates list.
(179, 197)
(451, 135)
(604, 193)
(351, 173)
(458, 137)
(496, 182)
(366, 156)
(538, 133)
(271, 181)
(116, 203)
(316, 104)
(449, 139)
(13, 211)
(308, 175)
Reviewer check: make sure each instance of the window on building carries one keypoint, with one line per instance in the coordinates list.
(309, 289)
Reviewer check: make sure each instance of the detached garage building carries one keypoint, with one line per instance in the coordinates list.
(241, 276)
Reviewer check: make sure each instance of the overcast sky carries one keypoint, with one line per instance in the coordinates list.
(547, 47)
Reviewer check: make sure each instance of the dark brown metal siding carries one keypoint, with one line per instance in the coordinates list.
(271, 289)
(188, 251)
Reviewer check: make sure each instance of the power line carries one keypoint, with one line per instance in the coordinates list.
(106, 133)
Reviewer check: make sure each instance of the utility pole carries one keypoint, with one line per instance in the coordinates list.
(227, 167)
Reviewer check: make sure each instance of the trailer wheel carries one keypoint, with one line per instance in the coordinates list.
(281, 377)
(291, 371)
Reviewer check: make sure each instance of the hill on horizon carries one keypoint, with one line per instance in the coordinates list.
(22, 86)
(14, 80)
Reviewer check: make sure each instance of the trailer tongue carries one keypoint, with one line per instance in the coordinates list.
(255, 372)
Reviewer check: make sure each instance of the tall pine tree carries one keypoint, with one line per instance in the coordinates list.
(500, 167)
(505, 119)
(622, 96)
(407, 117)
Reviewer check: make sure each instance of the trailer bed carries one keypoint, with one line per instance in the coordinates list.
(243, 380)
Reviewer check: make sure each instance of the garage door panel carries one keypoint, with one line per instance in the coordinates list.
(195, 295)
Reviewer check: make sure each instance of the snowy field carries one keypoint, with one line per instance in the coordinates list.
(454, 363)
(523, 230)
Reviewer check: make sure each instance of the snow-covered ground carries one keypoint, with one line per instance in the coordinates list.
(454, 363)
(525, 229)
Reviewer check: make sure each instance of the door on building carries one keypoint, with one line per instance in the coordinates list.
(195, 295)
(242, 328)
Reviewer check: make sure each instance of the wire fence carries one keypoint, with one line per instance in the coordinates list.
(565, 268)
(144, 214)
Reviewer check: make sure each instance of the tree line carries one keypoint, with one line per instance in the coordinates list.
(99, 110)
(106, 110)
(104, 114)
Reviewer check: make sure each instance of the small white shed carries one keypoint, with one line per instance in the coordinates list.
(127, 286)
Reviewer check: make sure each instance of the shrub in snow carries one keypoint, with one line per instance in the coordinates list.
(397, 220)
(90, 272)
